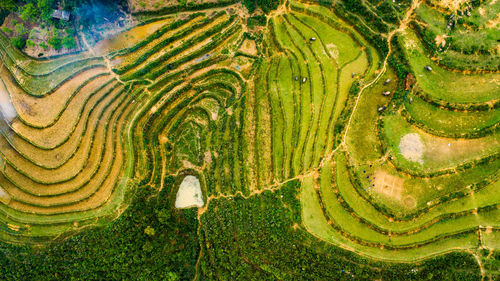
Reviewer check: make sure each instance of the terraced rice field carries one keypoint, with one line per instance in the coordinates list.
(79, 130)
(400, 178)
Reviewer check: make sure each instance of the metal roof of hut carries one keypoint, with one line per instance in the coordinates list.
(60, 14)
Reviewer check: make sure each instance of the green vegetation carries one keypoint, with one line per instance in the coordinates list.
(266, 5)
(463, 39)
(55, 41)
(28, 12)
(444, 84)
(259, 20)
(330, 142)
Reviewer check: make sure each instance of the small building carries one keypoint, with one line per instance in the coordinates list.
(304, 80)
(428, 68)
(312, 39)
(382, 108)
(386, 93)
(61, 15)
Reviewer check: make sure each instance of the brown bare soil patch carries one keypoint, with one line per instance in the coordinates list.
(207, 157)
(333, 50)
(452, 5)
(163, 139)
(409, 81)
(130, 37)
(412, 148)
(489, 230)
(441, 40)
(249, 47)
(388, 185)
(494, 23)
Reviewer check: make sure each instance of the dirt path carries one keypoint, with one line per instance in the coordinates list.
(110, 69)
(402, 28)
(85, 42)
(314, 171)
(480, 263)
(108, 62)
(276, 185)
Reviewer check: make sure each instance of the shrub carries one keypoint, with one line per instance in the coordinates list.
(32, 34)
(55, 41)
(43, 45)
(259, 20)
(250, 5)
(45, 7)
(8, 5)
(21, 29)
(266, 5)
(69, 42)
(6, 29)
(149, 231)
(30, 43)
(29, 12)
(18, 42)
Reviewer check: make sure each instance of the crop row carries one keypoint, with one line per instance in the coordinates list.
(157, 65)
(68, 212)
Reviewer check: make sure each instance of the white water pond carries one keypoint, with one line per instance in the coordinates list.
(189, 193)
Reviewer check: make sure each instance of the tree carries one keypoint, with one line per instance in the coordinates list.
(18, 42)
(29, 12)
(30, 43)
(250, 5)
(21, 29)
(149, 231)
(147, 247)
(43, 45)
(6, 29)
(163, 216)
(55, 41)
(45, 7)
(172, 276)
(8, 5)
(69, 42)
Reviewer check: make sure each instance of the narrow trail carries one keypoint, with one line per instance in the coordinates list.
(402, 27)
(110, 69)
(86, 43)
(481, 266)
(108, 62)
(315, 170)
